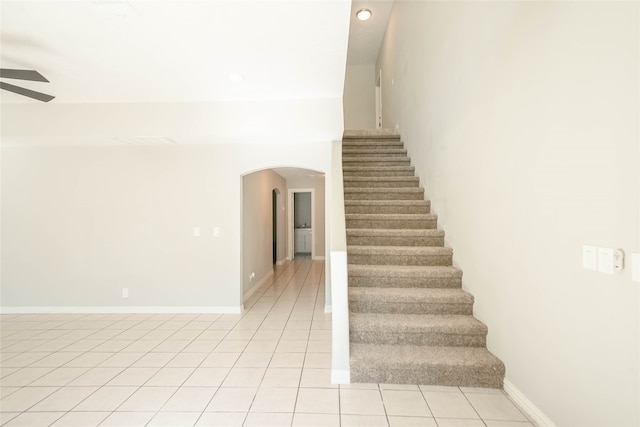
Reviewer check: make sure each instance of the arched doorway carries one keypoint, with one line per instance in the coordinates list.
(267, 222)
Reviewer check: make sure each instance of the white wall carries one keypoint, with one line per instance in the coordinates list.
(257, 225)
(522, 119)
(80, 223)
(337, 271)
(359, 97)
(271, 121)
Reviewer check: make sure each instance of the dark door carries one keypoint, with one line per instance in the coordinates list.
(274, 219)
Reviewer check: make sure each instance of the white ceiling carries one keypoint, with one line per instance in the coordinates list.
(298, 173)
(177, 51)
(365, 37)
(184, 51)
(162, 70)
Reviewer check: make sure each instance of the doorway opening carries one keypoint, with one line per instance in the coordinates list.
(301, 222)
(379, 100)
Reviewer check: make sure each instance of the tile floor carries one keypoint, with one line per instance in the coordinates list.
(269, 366)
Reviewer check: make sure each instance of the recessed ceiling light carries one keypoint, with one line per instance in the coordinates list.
(235, 77)
(363, 14)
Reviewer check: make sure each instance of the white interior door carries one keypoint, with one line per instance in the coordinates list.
(379, 100)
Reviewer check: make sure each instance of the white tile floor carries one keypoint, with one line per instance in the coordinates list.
(269, 366)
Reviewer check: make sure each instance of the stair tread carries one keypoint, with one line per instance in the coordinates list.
(398, 295)
(381, 179)
(417, 323)
(399, 250)
(371, 133)
(383, 190)
(372, 142)
(419, 356)
(381, 149)
(401, 216)
(405, 270)
(403, 158)
(386, 202)
(391, 232)
(350, 168)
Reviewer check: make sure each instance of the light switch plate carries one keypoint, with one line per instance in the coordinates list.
(216, 231)
(589, 257)
(635, 267)
(196, 231)
(605, 260)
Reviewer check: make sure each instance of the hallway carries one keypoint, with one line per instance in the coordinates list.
(269, 366)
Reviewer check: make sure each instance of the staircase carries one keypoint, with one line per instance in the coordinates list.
(410, 320)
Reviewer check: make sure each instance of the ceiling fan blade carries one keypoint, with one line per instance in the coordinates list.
(26, 92)
(32, 75)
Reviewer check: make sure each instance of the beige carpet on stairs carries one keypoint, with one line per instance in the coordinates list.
(410, 320)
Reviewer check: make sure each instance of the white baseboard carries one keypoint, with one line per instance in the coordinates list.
(257, 286)
(327, 308)
(340, 376)
(281, 262)
(318, 258)
(531, 410)
(122, 310)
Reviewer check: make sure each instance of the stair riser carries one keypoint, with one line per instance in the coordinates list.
(373, 145)
(381, 174)
(408, 338)
(375, 259)
(395, 241)
(391, 209)
(419, 224)
(357, 306)
(393, 141)
(400, 161)
(438, 375)
(368, 170)
(375, 152)
(365, 150)
(381, 184)
(374, 142)
(371, 156)
(382, 195)
(405, 282)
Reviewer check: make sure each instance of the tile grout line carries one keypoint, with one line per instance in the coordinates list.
(288, 318)
(138, 387)
(303, 292)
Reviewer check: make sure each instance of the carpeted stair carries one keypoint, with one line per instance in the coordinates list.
(410, 320)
